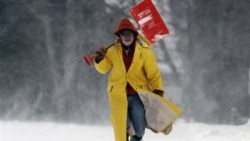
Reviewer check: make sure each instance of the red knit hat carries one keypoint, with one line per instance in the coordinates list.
(125, 24)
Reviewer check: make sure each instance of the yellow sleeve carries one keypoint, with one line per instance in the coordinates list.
(152, 71)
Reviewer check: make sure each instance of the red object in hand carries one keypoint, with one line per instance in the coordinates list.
(149, 21)
(88, 59)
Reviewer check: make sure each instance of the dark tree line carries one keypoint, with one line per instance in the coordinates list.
(42, 72)
(214, 47)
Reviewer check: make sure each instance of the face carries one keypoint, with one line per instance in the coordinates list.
(127, 37)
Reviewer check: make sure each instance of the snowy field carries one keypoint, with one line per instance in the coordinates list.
(39, 131)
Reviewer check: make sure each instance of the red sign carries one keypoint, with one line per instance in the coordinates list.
(149, 21)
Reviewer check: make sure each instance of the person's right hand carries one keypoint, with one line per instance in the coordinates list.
(100, 54)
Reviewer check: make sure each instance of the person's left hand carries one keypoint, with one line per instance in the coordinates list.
(159, 92)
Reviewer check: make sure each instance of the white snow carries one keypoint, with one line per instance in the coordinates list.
(49, 131)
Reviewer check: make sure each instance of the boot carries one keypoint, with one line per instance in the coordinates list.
(135, 138)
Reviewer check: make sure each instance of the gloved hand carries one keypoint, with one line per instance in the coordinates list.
(159, 92)
(100, 54)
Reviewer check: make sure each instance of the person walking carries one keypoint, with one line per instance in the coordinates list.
(133, 68)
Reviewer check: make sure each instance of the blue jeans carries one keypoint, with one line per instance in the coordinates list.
(136, 115)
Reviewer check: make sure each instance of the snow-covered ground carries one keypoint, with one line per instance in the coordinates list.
(45, 131)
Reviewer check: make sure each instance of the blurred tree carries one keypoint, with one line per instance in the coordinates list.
(42, 44)
(215, 57)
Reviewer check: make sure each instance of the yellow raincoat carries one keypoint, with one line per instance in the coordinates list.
(143, 75)
(140, 78)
